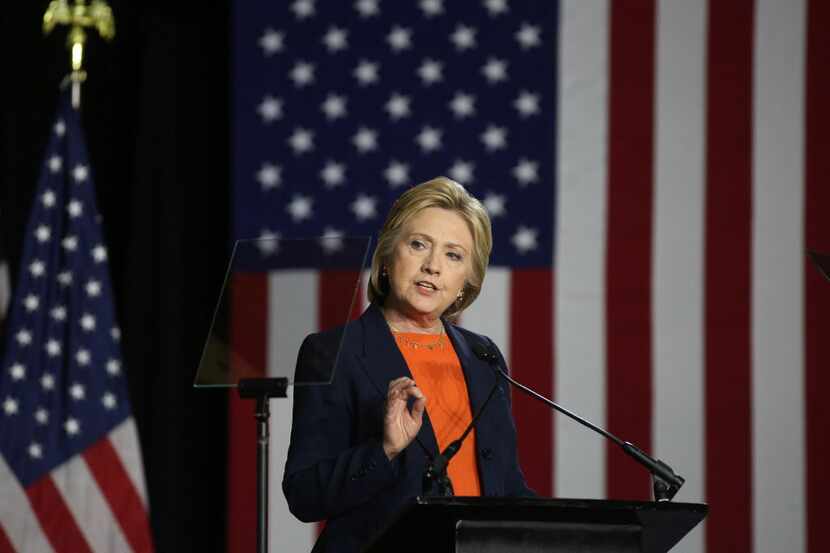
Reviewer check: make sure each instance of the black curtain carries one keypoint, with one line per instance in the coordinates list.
(155, 109)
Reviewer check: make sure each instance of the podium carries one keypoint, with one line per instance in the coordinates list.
(521, 525)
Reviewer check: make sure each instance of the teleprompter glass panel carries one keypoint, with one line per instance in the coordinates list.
(276, 292)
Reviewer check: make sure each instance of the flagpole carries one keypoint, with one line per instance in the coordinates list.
(79, 16)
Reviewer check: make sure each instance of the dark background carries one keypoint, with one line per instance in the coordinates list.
(155, 109)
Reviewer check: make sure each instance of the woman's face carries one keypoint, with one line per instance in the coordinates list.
(430, 264)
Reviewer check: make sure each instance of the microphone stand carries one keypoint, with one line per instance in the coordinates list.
(666, 482)
(436, 481)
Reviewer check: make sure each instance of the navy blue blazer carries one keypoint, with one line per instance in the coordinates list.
(336, 467)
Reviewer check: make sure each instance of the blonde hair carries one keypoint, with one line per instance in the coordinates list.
(443, 193)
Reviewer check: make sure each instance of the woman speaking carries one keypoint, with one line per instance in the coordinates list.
(407, 381)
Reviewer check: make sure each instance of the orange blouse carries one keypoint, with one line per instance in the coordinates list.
(435, 367)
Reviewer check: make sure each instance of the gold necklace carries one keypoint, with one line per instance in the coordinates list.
(413, 344)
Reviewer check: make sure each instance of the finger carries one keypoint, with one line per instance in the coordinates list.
(399, 384)
(418, 407)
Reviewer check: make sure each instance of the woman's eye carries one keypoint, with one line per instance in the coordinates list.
(417, 245)
(454, 256)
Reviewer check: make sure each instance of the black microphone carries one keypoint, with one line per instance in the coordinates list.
(436, 481)
(666, 482)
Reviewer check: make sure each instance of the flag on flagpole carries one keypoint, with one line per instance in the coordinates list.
(654, 170)
(71, 474)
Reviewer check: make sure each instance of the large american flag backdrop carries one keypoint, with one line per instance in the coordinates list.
(654, 171)
(71, 475)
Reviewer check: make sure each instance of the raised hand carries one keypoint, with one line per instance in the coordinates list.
(401, 424)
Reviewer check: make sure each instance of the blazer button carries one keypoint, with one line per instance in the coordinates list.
(487, 453)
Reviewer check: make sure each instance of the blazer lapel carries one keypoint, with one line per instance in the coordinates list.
(383, 362)
(478, 375)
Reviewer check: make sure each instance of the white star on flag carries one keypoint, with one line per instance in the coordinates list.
(80, 173)
(53, 347)
(18, 372)
(302, 74)
(495, 70)
(524, 239)
(55, 164)
(367, 8)
(43, 233)
(64, 278)
(303, 8)
(365, 140)
(336, 39)
(31, 303)
(47, 381)
(88, 322)
(48, 199)
(430, 72)
(75, 208)
(270, 109)
(42, 415)
(108, 400)
(35, 450)
(269, 176)
(93, 288)
(462, 171)
(334, 107)
(396, 173)
(23, 337)
(366, 72)
(271, 41)
(113, 367)
(494, 138)
(527, 104)
(463, 37)
(72, 426)
(332, 240)
(496, 7)
(528, 36)
(99, 253)
(301, 141)
(83, 357)
(10, 405)
(37, 268)
(463, 105)
(333, 174)
(70, 243)
(494, 204)
(526, 172)
(429, 139)
(399, 38)
(58, 313)
(300, 208)
(397, 106)
(268, 243)
(364, 207)
(77, 391)
(432, 7)
(60, 128)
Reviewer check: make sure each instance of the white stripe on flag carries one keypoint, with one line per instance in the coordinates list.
(777, 279)
(16, 515)
(88, 506)
(490, 313)
(292, 314)
(678, 247)
(579, 267)
(124, 439)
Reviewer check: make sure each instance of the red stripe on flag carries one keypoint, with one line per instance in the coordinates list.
(55, 518)
(728, 263)
(248, 331)
(816, 289)
(5, 543)
(531, 363)
(123, 499)
(629, 241)
(340, 299)
(338, 293)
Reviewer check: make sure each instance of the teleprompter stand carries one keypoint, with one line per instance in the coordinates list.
(262, 390)
(522, 525)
